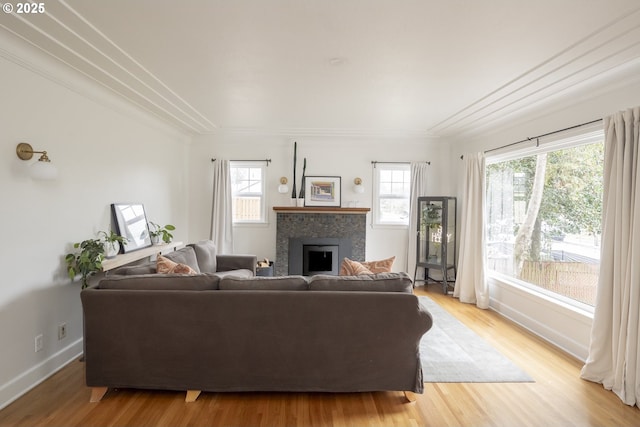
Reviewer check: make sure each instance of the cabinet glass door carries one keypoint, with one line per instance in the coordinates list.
(430, 232)
(450, 234)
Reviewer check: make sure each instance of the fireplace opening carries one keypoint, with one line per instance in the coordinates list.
(317, 255)
(319, 259)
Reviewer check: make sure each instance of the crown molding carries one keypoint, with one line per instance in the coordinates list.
(593, 58)
(324, 132)
(65, 35)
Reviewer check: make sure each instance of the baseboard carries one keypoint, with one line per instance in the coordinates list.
(563, 342)
(18, 386)
(561, 327)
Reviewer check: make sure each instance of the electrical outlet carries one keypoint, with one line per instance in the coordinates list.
(39, 340)
(62, 331)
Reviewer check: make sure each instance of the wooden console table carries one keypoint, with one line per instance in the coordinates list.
(122, 259)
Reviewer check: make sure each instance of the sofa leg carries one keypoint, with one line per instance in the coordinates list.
(192, 395)
(411, 396)
(97, 393)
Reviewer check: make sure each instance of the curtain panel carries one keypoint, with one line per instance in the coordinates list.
(418, 188)
(221, 213)
(471, 285)
(614, 355)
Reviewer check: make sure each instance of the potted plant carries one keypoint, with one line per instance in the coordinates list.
(87, 262)
(157, 232)
(112, 243)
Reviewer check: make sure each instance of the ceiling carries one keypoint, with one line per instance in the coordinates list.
(428, 68)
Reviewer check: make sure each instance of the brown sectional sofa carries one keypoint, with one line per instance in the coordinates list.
(211, 332)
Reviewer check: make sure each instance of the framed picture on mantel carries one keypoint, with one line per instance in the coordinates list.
(322, 191)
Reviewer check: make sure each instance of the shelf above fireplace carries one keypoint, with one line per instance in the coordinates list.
(316, 209)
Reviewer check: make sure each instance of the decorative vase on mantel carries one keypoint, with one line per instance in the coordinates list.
(302, 186)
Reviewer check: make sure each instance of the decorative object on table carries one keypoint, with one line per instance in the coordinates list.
(158, 232)
(87, 262)
(295, 154)
(112, 242)
(131, 223)
(322, 191)
(283, 188)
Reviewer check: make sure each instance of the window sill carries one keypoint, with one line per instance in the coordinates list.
(578, 308)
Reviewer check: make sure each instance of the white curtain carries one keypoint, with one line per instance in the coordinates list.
(614, 355)
(471, 285)
(221, 216)
(418, 189)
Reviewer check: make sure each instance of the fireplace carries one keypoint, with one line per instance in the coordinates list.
(300, 226)
(311, 255)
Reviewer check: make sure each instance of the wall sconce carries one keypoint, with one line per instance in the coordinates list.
(283, 187)
(358, 187)
(42, 169)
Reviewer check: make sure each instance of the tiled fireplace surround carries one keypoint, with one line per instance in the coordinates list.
(336, 223)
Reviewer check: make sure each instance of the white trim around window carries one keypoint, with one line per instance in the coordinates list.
(391, 190)
(248, 184)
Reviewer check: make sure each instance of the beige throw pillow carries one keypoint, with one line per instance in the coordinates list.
(352, 268)
(166, 266)
(382, 266)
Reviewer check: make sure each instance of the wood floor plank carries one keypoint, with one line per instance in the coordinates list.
(558, 397)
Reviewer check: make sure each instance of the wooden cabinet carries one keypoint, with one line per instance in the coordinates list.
(436, 240)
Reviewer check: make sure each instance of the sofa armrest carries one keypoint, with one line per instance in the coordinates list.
(236, 262)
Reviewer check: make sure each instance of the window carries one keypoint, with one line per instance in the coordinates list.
(391, 195)
(248, 190)
(544, 211)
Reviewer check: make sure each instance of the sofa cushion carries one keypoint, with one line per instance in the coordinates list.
(381, 282)
(166, 266)
(263, 283)
(146, 267)
(162, 282)
(241, 273)
(185, 256)
(205, 251)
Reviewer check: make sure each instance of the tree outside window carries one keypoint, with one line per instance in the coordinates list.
(544, 220)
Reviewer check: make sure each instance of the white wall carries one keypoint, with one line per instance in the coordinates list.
(563, 326)
(347, 157)
(105, 152)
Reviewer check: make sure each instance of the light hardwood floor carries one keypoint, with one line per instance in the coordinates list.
(557, 398)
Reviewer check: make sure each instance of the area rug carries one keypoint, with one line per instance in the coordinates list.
(452, 353)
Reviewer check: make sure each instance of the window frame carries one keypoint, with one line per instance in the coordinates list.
(377, 197)
(584, 136)
(262, 195)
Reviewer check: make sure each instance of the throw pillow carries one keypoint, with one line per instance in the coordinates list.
(166, 266)
(382, 266)
(352, 268)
